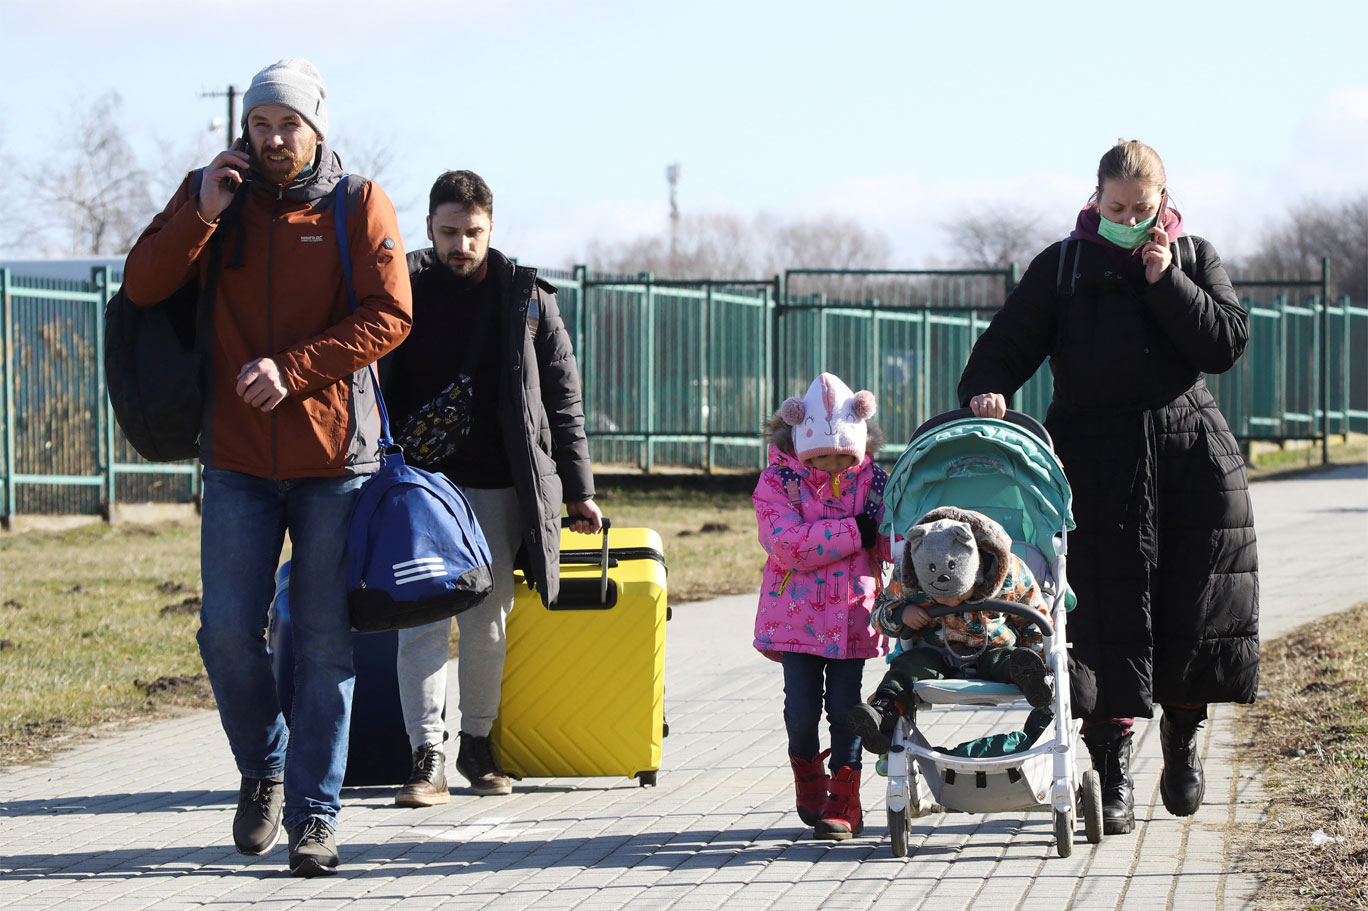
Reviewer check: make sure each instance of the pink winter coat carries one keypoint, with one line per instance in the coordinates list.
(819, 584)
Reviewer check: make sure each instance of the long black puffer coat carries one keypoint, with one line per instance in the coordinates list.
(1163, 559)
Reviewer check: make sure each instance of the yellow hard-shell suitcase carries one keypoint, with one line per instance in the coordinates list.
(584, 680)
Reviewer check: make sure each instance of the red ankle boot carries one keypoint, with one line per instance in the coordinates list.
(810, 781)
(842, 817)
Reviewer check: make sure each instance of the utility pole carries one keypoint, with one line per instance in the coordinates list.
(672, 177)
(229, 128)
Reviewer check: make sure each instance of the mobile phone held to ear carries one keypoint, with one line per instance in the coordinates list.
(1163, 208)
(239, 145)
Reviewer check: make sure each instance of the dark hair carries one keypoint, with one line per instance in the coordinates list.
(465, 188)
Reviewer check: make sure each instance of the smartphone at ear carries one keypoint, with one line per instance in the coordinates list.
(239, 145)
(1163, 208)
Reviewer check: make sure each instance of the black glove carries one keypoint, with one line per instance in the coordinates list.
(869, 530)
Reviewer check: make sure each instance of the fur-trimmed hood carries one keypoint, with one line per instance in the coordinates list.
(781, 435)
(994, 551)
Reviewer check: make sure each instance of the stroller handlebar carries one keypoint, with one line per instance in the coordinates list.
(1020, 418)
(1040, 621)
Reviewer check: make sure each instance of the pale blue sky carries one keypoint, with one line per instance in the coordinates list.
(900, 115)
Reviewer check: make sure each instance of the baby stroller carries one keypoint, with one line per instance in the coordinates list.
(1006, 470)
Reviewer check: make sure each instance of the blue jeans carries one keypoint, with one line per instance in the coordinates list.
(242, 530)
(806, 677)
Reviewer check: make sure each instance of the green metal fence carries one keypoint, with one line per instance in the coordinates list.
(680, 375)
(63, 452)
(905, 335)
(676, 374)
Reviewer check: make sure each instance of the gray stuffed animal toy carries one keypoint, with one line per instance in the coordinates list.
(954, 554)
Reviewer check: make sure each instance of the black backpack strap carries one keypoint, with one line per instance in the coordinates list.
(1185, 254)
(1062, 289)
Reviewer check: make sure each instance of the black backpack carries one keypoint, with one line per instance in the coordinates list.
(155, 360)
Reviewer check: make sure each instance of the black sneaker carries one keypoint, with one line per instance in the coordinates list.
(475, 761)
(313, 852)
(427, 783)
(1030, 675)
(256, 826)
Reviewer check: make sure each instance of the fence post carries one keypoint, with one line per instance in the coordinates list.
(652, 413)
(7, 333)
(105, 458)
(769, 316)
(1345, 354)
(1325, 360)
(776, 353)
(705, 387)
(581, 273)
(923, 364)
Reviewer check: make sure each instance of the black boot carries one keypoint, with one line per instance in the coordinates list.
(873, 721)
(1181, 783)
(1110, 748)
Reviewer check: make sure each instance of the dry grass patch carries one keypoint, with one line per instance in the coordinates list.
(96, 631)
(1309, 734)
(709, 536)
(1298, 457)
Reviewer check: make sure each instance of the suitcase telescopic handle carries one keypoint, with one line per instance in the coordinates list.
(566, 522)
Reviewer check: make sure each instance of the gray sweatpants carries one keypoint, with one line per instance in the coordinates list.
(479, 669)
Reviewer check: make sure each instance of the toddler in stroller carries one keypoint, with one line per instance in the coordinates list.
(954, 558)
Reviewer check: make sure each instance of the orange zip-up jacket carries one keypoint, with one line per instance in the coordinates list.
(280, 294)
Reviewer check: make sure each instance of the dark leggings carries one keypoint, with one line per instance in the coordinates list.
(807, 679)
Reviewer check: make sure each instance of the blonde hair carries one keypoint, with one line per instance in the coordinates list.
(1131, 160)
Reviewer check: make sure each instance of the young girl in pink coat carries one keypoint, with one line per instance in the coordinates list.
(818, 505)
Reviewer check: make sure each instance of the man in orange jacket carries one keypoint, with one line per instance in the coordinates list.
(287, 437)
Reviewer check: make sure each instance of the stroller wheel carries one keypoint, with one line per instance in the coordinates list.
(898, 826)
(1090, 798)
(1063, 830)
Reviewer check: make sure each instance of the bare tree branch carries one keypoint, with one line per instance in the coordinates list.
(1293, 248)
(372, 154)
(92, 194)
(725, 245)
(993, 238)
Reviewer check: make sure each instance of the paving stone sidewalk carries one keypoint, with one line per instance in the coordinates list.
(141, 820)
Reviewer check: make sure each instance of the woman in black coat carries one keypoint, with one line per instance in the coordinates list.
(1132, 314)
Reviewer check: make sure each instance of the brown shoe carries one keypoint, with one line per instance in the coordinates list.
(475, 761)
(427, 784)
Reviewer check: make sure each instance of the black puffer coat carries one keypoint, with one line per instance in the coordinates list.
(1163, 560)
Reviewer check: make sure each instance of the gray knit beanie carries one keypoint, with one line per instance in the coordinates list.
(295, 83)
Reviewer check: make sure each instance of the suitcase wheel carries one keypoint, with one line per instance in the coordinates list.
(647, 779)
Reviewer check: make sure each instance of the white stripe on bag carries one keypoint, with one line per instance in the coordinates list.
(414, 577)
(421, 561)
(419, 570)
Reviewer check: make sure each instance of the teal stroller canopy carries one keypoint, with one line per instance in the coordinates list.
(991, 466)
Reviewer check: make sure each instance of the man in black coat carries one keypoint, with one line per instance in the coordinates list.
(489, 365)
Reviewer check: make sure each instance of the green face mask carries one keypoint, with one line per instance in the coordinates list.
(1127, 236)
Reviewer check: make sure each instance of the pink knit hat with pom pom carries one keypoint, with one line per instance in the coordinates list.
(830, 419)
